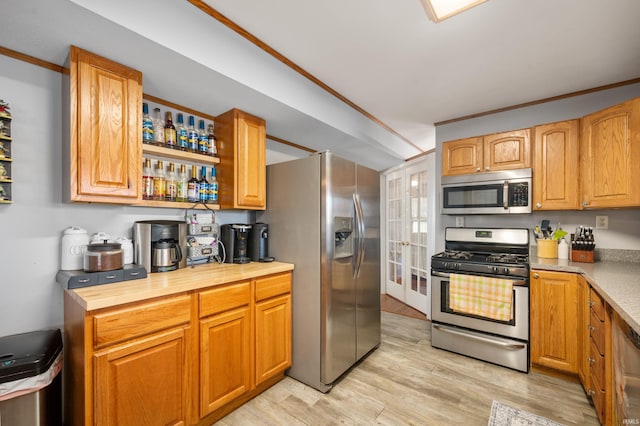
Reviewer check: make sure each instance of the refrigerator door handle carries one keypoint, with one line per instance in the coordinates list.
(359, 218)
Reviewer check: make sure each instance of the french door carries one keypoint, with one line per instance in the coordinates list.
(407, 222)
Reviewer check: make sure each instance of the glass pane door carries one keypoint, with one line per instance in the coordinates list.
(395, 233)
(416, 291)
(408, 210)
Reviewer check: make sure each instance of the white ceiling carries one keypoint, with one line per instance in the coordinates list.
(384, 56)
(389, 59)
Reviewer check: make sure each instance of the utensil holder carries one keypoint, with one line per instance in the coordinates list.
(548, 249)
(584, 256)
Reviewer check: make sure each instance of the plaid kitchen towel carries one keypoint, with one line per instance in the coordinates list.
(482, 296)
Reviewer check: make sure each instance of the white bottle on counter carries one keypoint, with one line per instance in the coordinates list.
(563, 249)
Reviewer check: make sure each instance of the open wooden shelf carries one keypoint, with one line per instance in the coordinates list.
(177, 205)
(176, 154)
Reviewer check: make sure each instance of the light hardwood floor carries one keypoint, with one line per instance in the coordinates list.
(407, 382)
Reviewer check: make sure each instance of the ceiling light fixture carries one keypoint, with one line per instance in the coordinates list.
(439, 10)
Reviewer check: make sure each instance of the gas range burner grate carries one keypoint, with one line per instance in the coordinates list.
(454, 254)
(507, 258)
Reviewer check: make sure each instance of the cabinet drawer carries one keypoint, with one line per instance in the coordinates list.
(223, 298)
(273, 286)
(598, 397)
(124, 324)
(597, 366)
(597, 304)
(597, 333)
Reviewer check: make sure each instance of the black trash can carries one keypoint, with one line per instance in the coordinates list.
(30, 379)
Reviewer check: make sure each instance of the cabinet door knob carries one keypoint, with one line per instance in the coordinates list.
(536, 276)
(591, 392)
(478, 169)
(590, 328)
(585, 203)
(591, 360)
(487, 168)
(538, 205)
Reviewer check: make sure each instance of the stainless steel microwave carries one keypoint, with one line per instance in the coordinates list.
(502, 192)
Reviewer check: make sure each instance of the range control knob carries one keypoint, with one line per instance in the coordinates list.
(505, 270)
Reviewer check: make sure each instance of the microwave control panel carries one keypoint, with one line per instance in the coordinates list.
(519, 194)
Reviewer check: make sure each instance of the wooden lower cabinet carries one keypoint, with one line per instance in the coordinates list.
(143, 382)
(225, 345)
(554, 323)
(584, 340)
(177, 360)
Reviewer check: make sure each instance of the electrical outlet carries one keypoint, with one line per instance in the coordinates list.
(459, 221)
(602, 222)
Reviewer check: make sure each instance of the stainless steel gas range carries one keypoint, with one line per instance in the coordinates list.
(480, 295)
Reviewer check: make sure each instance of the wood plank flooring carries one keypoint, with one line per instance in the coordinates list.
(407, 382)
(393, 305)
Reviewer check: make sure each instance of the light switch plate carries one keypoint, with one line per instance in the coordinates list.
(602, 222)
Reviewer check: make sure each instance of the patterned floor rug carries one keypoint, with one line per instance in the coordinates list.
(505, 415)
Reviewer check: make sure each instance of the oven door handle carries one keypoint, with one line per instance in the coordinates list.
(512, 346)
(446, 275)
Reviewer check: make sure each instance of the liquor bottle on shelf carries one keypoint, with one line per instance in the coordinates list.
(192, 136)
(213, 150)
(159, 183)
(181, 132)
(203, 142)
(147, 180)
(193, 188)
(213, 188)
(158, 128)
(170, 132)
(147, 125)
(183, 184)
(172, 184)
(203, 190)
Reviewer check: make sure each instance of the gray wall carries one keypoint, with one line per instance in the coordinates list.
(31, 228)
(624, 225)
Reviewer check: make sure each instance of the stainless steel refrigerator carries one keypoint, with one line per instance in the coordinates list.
(323, 214)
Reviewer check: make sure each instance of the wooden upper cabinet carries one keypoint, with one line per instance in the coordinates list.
(243, 160)
(507, 151)
(610, 150)
(462, 156)
(490, 153)
(105, 123)
(555, 166)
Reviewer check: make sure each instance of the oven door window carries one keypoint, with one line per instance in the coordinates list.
(446, 307)
(473, 196)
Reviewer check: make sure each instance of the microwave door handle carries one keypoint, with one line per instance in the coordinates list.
(505, 195)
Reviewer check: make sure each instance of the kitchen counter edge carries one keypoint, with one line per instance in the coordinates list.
(617, 282)
(161, 284)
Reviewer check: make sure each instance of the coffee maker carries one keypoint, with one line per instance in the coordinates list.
(159, 244)
(259, 243)
(234, 237)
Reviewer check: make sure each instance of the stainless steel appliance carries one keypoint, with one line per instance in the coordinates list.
(492, 253)
(324, 216)
(626, 371)
(502, 192)
(159, 244)
(234, 238)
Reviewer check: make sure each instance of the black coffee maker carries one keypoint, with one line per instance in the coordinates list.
(259, 243)
(234, 237)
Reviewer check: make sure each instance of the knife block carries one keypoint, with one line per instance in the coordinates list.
(584, 256)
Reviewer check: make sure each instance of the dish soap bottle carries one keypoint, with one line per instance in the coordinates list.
(563, 249)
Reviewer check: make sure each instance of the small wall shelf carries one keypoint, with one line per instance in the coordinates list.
(6, 196)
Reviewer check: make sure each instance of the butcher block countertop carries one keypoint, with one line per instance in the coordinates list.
(169, 283)
(617, 282)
